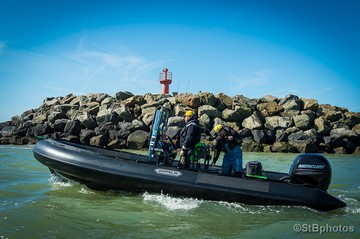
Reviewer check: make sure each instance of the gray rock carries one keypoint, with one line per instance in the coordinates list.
(139, 125)
(253, 122)
(227, 100)
(277, 122)
(283, 147)
(176, 121)
(125, 128)
(7, 131)
(42, 129)
(117, 144)
(193, 101)
(330, 113)
(207, 98)
(134, 100)
(59, 125)
(179, 110)
(309, 104)
(205, 121)
(73, 127)
(290, 102)
(99, 141)
(231, 115)
(39, 119)
(269, 108)
(137, 139)
(322, 126)
(280, 136)
(124, 113)
(87, 121)
(259, 136)
(304, 146)
(268, 98)
(302, 121)
(123, 95)
(211, 111)
(85, 136)
(173, 132)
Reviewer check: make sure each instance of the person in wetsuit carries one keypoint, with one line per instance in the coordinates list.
(189, 136)
(228, 140)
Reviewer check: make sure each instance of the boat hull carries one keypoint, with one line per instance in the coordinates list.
(106, 169)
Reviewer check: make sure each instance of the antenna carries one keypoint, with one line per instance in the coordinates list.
(187, 87)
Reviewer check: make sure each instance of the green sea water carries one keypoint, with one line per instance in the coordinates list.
(34, 204)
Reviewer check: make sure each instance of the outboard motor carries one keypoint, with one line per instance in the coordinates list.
(312, 169)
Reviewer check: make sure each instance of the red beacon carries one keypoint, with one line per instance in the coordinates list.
(165, 80)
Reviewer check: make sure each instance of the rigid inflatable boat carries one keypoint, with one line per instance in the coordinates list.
(306, 184)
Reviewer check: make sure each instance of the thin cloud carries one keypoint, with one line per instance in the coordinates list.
(259, 79)
(128, 67)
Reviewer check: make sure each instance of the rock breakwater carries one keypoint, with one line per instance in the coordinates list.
(268, 124)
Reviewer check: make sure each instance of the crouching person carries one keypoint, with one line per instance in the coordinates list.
(228, 140)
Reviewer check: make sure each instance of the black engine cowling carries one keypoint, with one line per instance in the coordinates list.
(313, 169)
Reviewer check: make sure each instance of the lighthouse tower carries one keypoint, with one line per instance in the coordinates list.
(165, 80)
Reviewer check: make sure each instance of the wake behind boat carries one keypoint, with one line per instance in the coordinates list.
(99, 168)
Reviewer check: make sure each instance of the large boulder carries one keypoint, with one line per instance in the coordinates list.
(330, 113)
(209, 110)
(176, 121)
(205, 121)
(134, 100)
(179, 110)
(139, 125)
(283, 147)
(99, 140)
(137, 140)
(277, 122)
(309, 104)
(106, 116)
(269, 108)
(91, 108)
(73, 127)
(207, 98)
(352, 118)
(227, 100)
(124, 113)
(253, 122)
(7, 131)
(59, 124)
(123, 95)
(244, 102)
(124, 130)
(260, 136)
(322, 126)
(231, 115)
(85, 136)
(190, 100)
(290, 102)
(87, 120)
(302, 121)
(42, 129)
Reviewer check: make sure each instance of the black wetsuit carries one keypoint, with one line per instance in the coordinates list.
(189, 136)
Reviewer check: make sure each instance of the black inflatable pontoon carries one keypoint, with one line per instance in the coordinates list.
(306, 184)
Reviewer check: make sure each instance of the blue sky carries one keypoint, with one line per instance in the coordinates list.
(309, 48)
